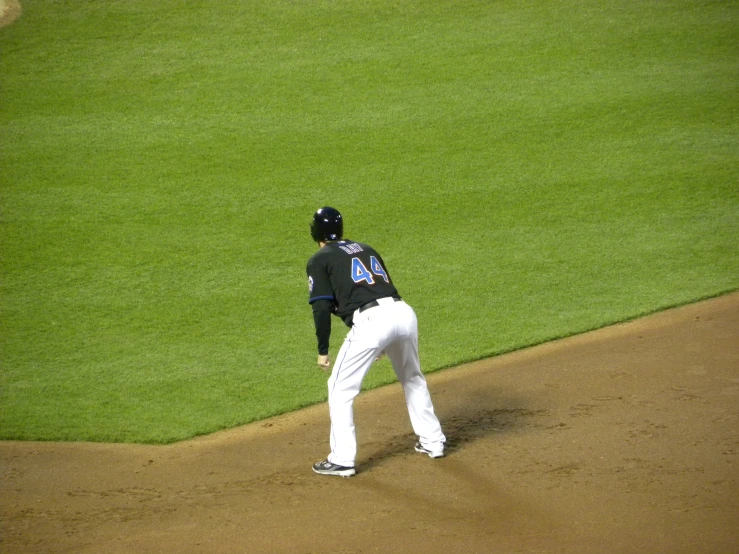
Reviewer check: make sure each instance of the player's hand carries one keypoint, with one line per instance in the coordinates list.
(324, 362)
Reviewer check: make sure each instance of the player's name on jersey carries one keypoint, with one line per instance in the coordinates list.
(351, 248)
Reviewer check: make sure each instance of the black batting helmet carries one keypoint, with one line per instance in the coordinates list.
(327, 225)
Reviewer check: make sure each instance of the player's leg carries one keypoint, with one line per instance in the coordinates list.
(352, 363)
(403, 354)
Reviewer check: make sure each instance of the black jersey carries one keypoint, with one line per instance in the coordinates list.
(349, 274)
(343, 276)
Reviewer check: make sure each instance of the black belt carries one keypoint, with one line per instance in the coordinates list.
(374, 304)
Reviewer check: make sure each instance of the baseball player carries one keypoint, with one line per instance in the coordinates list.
(351, 280)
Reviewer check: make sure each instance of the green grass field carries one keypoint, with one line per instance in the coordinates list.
(529, 170)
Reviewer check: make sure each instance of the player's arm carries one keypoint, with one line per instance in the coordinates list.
(322, 309)
(322, 300)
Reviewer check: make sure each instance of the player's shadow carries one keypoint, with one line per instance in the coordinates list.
(466, 419)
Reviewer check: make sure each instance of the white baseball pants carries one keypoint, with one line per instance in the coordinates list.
(391, 327)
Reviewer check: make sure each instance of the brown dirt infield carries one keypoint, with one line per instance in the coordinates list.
(10, 10)
(620, 440)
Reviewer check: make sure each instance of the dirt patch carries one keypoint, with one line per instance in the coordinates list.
(10, 10)
(620, 440)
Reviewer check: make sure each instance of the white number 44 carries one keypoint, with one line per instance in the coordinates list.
(361, 273)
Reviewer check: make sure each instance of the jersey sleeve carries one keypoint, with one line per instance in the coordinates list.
(322, 319)
(319, 284)
(321, 296)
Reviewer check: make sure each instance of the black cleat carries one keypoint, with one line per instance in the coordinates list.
(431, 453)
(327, 468)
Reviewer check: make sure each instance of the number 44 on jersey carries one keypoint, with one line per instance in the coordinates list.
(361, 273)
